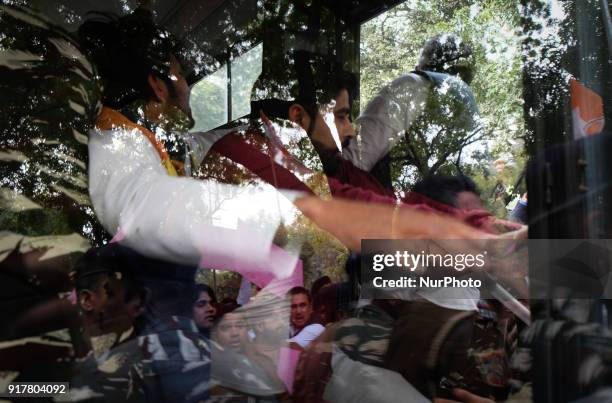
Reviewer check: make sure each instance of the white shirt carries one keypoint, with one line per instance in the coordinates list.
(179, 219)
(386, 116)
(305, 336)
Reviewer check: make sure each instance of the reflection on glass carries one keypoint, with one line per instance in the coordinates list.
(245, 70)
(209, 101)
(390, 47)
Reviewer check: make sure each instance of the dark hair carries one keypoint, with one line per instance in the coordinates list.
(222, 310)
(95, 265)
(317, 81)
(109, 261)
(127, 50)
(320, 81)
(200, 288)
(444, 189)
(443, 53)
(90, 282)
(299, 290)
(345, 80)
(318, 284)
(335, 300)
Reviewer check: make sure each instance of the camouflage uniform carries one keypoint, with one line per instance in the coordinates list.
(363, 338)
(169, 362)
(401, 335)
(50, 98)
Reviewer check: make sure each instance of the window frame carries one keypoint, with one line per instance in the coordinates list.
(226, 62)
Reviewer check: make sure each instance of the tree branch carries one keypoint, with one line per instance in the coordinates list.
(439, 162)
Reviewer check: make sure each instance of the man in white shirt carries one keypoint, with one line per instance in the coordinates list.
(139, 197)
(433, 101)
(135, 186)
(304, 328)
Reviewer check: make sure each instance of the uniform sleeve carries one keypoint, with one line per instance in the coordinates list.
(386, 116)
(178, 219)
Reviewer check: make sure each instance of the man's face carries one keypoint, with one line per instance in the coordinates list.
(106, 304)
(301, 310)
(180, 97)
(322, 132)
(499, 166)
(232, 331)
(342, 118)
(170, 105)
(204, 311)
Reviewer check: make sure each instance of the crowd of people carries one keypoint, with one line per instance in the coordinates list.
(115, 206)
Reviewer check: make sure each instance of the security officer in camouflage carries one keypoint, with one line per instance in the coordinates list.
(50, 98)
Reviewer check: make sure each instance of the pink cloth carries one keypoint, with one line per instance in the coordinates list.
(119, 236)
(279, 286)
(287, 363)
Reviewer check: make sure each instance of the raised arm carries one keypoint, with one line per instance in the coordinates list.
(389, 113)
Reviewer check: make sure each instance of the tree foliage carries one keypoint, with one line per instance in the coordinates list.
(390, 46)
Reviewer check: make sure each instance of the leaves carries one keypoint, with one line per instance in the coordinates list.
(390, 46)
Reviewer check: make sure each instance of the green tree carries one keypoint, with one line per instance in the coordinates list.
(390, 46)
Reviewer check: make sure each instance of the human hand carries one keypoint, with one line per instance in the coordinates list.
(463, 396)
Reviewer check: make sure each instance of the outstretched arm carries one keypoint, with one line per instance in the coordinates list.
(352, 221)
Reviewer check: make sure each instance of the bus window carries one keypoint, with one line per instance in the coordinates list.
(174, 222)
(494, 155)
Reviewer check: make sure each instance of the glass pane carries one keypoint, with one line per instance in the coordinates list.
(209, 101)
(471, 122)
(245, 70)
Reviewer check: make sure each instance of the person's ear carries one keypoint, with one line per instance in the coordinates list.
(159, 87)
(297, 114)
(86, 302)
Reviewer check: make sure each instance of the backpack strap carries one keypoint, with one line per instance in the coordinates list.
(422, 74)
(438, 341)
(435, 348)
